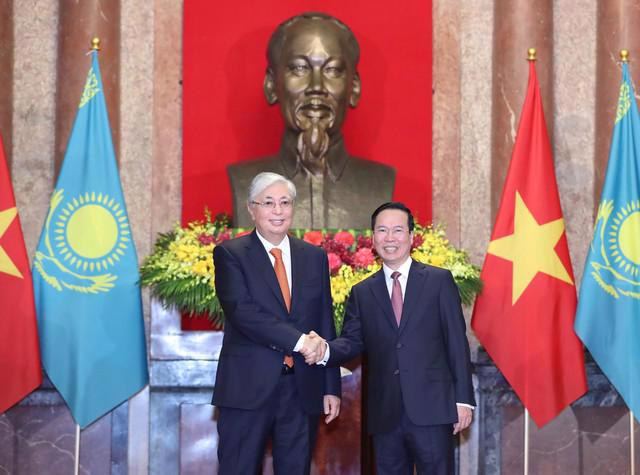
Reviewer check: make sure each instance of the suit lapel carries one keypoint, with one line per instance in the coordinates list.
(264, 267)
(415, 282)
(297, 266)
(381, 294)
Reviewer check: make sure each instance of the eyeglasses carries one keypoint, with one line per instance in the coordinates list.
(271, 204)
(396, 231)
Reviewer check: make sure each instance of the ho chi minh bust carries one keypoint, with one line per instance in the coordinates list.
(312, 73)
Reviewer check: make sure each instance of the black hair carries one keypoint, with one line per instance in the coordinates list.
(277, 38)
(393, 205)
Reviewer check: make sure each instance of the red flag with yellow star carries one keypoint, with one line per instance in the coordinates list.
(524, 315)
(19, 352)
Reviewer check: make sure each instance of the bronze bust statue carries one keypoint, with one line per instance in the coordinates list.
(312, 73)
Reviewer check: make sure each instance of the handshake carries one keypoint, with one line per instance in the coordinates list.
(314, 348)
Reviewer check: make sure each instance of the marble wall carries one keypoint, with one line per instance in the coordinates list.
(479, 75)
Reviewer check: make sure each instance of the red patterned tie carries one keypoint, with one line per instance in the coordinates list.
(396, 296)
(281, 275)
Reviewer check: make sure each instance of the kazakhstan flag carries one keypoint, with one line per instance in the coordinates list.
(85, 273)
(608, 318)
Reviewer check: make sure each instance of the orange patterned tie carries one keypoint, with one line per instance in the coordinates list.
(281, 275)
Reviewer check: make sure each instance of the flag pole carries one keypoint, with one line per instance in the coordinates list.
(95, 46)
(624, 57)
(77, 451)
(632, 442)
(526, 441)
(531, 56)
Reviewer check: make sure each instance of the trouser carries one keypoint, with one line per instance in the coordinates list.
(243, 434)
(428, 448)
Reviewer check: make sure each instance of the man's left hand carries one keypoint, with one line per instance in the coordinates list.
(465, 416)
(331, 407)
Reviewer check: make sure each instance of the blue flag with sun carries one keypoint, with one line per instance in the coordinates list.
(608, 317)
(85, 273)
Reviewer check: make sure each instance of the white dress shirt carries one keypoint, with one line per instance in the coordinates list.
(285, 247)
(404, 276)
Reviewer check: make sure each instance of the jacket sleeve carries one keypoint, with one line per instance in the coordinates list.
(241, 311)
(350, 343)
(333, 383)
(457, 345)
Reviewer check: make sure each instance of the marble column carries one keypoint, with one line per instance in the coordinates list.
(446, 117)
(574, 50)
(79, 23)
(476, 38)
(6, 75)
(518, 25)
(617, 29)
(35, 30)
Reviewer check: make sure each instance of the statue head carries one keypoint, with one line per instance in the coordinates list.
(312, 73)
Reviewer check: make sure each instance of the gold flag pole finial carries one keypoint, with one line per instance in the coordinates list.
(531, 54)
(95, 44)
(624, 55)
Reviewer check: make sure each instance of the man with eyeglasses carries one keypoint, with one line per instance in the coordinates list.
(408, 319)
(274, 289)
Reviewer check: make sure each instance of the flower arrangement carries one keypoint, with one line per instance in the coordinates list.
(180, 271)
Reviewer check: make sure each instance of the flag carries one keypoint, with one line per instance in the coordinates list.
(86, 273)
(19, 354)
(608, 318)
(525, 313)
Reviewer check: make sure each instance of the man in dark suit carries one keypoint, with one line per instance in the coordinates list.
(273, 289)
(408, 318)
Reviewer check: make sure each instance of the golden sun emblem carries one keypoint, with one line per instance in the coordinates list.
(91, 232)
(624, 242)
(84, 237)
(618, 241)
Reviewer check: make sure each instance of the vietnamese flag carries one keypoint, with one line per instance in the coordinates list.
(19, 352)
(524, 315)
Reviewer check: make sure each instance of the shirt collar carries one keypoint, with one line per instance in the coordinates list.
(283, 245)
(337, 156)
(403, 269)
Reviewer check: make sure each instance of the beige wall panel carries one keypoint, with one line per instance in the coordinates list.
(136, 157)
(136, 116)
(35, 24)
(476, 40)
(6, 76)
(574, 101)
(446, 116)
(167, 116)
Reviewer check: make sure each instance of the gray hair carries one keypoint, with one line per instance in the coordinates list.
(264, 180)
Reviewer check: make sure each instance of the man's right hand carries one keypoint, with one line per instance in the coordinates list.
(314, 348)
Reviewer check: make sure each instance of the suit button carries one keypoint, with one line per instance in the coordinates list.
(399, 345)
(396, 372)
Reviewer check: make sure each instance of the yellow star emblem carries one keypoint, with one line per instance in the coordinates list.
(531, 249)
(6, 264)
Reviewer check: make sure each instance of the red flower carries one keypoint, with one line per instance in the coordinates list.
(313, 237)
(363, 257)
(244, 233)
(345, 238)
(224, 236)
(206, 239)
(334, 262)
(364, 241)
(417, 240)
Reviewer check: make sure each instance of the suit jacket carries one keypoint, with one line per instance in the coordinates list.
(424, 364)
(258, 329)
(359, 186)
